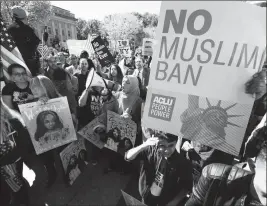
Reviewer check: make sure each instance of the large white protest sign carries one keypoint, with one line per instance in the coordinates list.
(92, 131)
(147, 48)
(202, 61)
(76, 46)
(50, 125)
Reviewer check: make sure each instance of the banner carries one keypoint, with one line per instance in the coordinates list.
(121, 132)
(74, 160)
(202, 61)
(50, 125)
(104, 56)
(93, 131)
(77, 46)
(147, 48)
(130, 200)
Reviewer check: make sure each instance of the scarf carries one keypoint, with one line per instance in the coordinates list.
(127, 100)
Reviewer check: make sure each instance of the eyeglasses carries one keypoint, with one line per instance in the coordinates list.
(20, 74)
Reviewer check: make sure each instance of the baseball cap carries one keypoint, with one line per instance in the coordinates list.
(19, 12)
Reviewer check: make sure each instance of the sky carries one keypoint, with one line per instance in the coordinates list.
(99, 9)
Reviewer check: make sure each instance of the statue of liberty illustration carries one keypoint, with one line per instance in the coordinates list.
(207, 126)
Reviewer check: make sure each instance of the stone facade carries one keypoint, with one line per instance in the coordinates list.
(63, 24)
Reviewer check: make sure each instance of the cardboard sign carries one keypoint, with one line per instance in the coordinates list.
(121, 133)
(122, 43)
(125, 51)
(147, 48)
(91, 131)
(104, 56)
(76, 46)
(50, 125)
(74, 160)
(130, 200)
(202, 61)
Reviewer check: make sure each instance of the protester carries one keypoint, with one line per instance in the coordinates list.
(25, 39)
(165, 175)
(15, 145)
(73, 79)
(84, 66)
(74, 64)
(115, 74)
(84, 55)
(201, 155)
(143, 74)
(243, 184)
(17, 91)
(62, 60)
(130, 102)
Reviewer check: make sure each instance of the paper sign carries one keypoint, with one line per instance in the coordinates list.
(74, 159)
(92, 131)
(76, 46)
(131, 201)
(104, 56)
(147, 48)
(126, 51)
(121, 132)
(50, 125)
(203, 58)
(122, 43)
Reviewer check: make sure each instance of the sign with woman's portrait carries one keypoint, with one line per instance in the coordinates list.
(95, 131)
(50, 125)
(74, 160)
(121, 133)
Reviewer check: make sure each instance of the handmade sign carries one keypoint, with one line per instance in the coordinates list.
(76, 46)
(130, 200)
(122, 43)
(74, 160)
(104, 56)
(121, 133)
(125, 51)
(147, 48)
(197, 89)
(95, 130)
(50, 125)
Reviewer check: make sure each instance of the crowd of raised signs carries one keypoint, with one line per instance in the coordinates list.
(172, 171)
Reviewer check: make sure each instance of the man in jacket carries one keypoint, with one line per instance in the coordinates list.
(239, 185)
(25, 39)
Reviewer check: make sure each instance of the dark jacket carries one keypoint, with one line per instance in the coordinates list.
(222, 185)
(27, 42)
(22, 145)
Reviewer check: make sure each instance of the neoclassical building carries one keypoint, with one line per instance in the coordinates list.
(62, 23)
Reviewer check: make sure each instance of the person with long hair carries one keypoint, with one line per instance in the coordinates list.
(47, 121)
(115, 74)
(15, 146)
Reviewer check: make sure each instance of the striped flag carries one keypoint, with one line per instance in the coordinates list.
(43, 50)
(88, 45)
(9, 51)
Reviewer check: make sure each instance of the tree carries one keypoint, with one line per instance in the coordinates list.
(39, 12)
(95, 26)
(148, 20)
(80, 25)
(123, 26)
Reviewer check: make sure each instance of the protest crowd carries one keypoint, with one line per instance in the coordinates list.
(63, 106)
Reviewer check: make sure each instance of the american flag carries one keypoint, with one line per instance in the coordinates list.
(43, 50)
(9, 51)
(88, 45)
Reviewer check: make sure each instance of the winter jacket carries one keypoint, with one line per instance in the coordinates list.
(221, 185)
